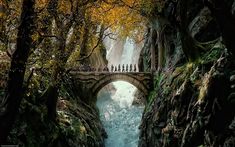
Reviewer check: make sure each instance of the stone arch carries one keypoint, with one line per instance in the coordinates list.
(116, 77)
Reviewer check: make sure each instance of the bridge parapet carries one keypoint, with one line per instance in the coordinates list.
(112, 68)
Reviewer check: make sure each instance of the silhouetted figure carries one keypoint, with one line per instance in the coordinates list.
(112, 67)
(131, 68)
(119, 67)
(115, 69)
(123, 67)
(105, 68)
(135, 68)
(127, 68)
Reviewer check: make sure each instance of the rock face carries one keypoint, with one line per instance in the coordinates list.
(139, 98)
(192, 106)
(77, 124)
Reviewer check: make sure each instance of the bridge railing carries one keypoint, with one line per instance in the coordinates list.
(112, 68)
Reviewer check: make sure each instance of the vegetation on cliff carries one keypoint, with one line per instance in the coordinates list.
(193, 105)
(188, 45)
(40, 42)
(193, 100)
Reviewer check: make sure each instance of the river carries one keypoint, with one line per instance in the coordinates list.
(120, 118)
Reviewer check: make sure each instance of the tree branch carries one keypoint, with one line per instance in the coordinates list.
(101, 37)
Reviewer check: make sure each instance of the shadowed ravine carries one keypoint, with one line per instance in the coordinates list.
(62, 63)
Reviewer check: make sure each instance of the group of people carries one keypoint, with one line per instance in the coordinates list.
(89, 68)
(129, 68)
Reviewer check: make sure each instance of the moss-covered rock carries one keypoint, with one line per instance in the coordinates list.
(192, 105)
(77, 125)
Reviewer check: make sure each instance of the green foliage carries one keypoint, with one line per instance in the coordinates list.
(158, 79)
(152, 7)
(2, 47)
(150, 99)
(167, 90)
(212, 55)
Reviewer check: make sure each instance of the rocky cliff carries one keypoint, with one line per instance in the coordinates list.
(192, 103)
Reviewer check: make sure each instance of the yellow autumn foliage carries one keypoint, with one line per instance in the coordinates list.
(119, 17)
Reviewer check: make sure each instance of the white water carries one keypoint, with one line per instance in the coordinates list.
(122, 51)
(120, 118)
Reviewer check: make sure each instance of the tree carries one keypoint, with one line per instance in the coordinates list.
(14, 91)
(69, 17)
(120, 17)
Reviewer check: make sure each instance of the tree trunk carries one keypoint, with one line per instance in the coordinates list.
(84, 49)
(57, 73)
(14, 90)
(62, 53)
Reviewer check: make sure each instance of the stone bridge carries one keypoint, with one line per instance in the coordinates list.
(91, 83)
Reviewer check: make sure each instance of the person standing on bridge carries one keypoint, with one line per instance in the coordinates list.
(106, 68)
(135, 68)
(126, 67)
(112, 67)
(123, 67)
(131, 68)
(119, 67)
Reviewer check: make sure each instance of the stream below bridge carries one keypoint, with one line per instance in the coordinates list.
(120, 118)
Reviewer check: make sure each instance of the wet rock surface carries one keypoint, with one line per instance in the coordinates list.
(139, 99)
(192, 106)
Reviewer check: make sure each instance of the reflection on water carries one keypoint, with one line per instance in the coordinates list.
(120, 118)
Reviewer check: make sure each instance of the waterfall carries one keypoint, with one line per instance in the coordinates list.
(120, 118)
(122, 51)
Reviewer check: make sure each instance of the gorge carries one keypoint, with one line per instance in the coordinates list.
(117, 73)
(121, 119)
